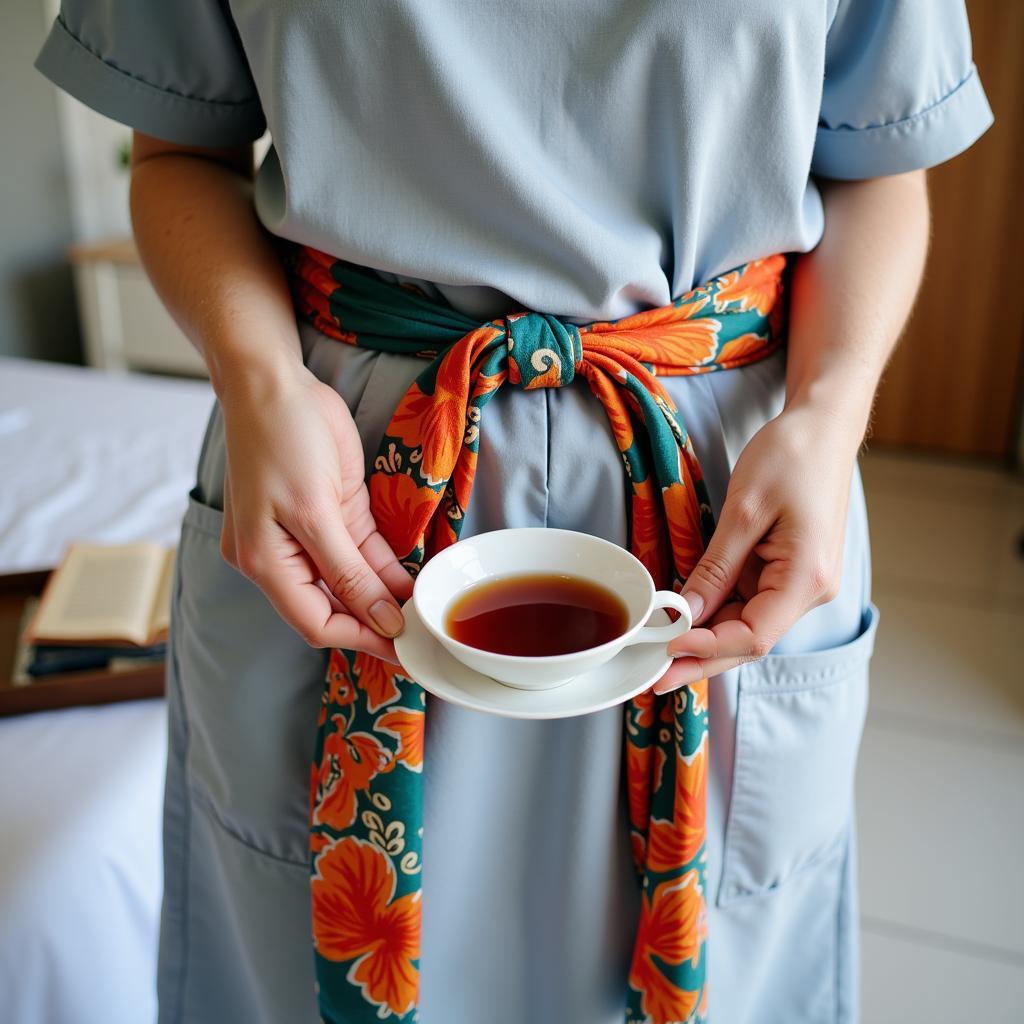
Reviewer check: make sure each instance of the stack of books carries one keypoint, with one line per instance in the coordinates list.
(104, 607)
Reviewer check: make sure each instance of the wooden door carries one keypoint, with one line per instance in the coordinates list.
(954, 384)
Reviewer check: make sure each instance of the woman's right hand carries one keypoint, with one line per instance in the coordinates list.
(297, 512)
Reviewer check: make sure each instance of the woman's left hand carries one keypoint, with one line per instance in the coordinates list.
(778, 547)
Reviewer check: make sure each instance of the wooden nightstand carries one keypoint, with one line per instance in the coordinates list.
(124, 324)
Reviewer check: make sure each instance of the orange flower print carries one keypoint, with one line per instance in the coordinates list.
(648, 529)
(694, 304)
(667, 714)
(409, 728)
(660, 757)
(356, 917)
(312, 285)
(644, 705)
(349, 762)
(314, 785)
(700, 696)
(486, 383)
(339, 681)
(673, 844)
(376, 678)
(433, 423)
(401, 509)
(638, 784)
(738, 351)
(607, 391)
(689, 342)
(462, 477)
(670, 344)
(683, 515)
(672, 927)
(436, 423)
(754, 287)
(638, 845)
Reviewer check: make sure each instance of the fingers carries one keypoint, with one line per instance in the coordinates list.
(381, 559)
(684, 671)
(697, 653)
(715, 577)
(291, 582)
(743, 631)
(349, 575)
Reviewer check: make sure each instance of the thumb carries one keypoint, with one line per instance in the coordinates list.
(715, 576)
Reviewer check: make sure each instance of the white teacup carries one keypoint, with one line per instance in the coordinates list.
(509, 553)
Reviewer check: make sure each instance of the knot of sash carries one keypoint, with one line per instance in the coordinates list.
(543, 352)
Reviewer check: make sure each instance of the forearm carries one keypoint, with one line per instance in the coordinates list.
(214, 266)
(852, 295)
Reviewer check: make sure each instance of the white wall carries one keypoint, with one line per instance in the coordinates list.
(37, 307)
(97, 185)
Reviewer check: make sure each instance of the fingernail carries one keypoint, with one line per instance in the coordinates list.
(696, 603)
(388, 618)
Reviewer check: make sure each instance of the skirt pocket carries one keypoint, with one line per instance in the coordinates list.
(798, 727)
(250, 688)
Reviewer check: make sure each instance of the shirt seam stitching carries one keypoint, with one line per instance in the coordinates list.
(204, 801)
(823, 127)
(148, 88)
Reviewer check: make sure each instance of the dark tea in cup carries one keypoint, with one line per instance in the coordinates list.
(536, 615)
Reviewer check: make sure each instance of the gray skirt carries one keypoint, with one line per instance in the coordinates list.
(530, 901)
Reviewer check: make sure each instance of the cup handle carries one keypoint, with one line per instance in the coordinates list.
(663, 634)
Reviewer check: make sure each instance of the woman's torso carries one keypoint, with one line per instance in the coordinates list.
(587, 159)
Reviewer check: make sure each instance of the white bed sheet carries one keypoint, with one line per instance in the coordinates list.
(85, 455)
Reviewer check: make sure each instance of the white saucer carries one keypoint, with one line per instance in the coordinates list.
(629, 673)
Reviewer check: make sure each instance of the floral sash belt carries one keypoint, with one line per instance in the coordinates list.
(366, 817)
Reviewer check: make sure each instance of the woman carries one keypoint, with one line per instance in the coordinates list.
(590, 162)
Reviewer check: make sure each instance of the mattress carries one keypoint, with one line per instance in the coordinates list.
(85, 455)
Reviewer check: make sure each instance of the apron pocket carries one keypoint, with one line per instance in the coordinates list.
(798, 728)
(251, 689)
(250, 686)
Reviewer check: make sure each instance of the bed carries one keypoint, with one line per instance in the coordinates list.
(104, 457)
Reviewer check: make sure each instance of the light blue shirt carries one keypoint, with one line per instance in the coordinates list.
(583, 158)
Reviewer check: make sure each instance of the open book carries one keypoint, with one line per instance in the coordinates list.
(106, 594)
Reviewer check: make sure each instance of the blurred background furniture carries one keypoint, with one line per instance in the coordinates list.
(955, 384)
(124, 324)
(110, 458)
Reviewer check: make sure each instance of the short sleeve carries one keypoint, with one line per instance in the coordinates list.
(901, 91)
(174, 69)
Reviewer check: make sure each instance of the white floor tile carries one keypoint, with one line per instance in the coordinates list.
(907, 982)
(945, 527)
(945, 547)
(942, 836)
(934, 477)
(959, 668)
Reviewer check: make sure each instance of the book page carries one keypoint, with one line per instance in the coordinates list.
(102, 592)
(161, 619)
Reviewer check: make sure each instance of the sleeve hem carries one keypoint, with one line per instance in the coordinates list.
(183, 120)
(934, 135)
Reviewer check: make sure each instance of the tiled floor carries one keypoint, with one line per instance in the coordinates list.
(941, 773)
